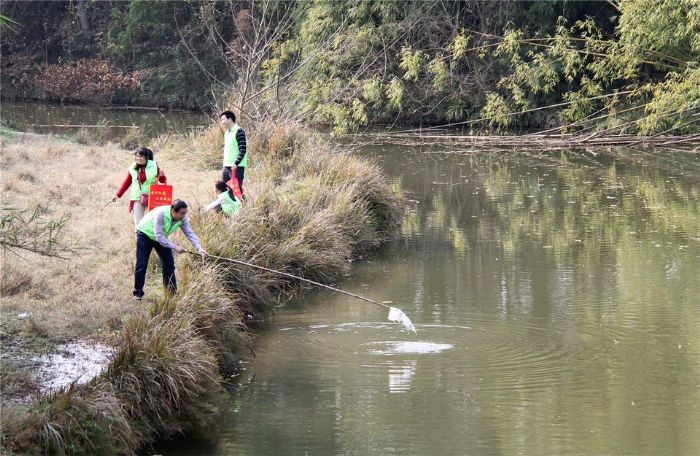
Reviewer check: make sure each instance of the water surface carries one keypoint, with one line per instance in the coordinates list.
(115, 121)
(556, 297)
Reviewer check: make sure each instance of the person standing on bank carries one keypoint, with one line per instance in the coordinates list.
(235, 153)
(152, 233)
(226, 202)
(138, 180)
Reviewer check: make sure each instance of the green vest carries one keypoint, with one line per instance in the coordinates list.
(231, 148)
(147, 224)
(136, 189)
(229, 206)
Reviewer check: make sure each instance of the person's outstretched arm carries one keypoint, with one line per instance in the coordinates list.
(214, 204)
(123, 188)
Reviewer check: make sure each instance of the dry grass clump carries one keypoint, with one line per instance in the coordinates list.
(279, 140)
(14, 281)
(369, 182)
(15, 380)
(133, 138)
(163, 379)
(86, 419)
(166, 375)
(203, 148)
(96, 135)
(214, 310)
(309, 212)
(12, 154)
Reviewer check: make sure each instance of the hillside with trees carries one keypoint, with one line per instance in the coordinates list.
(627, 67)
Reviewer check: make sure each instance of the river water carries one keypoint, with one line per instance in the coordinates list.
(556, 297)
(114, 121)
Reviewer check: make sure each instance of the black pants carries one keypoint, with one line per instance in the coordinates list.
(240, 173)
(144, 245)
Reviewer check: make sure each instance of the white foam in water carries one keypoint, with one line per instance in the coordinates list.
(401, 348)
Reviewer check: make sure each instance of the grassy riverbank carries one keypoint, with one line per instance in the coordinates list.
(310, 209)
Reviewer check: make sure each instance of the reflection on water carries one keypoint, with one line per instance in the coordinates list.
(400, 376)
(556, 301)
(401, 372)
(395, 348)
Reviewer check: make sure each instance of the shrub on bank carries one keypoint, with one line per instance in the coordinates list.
(214, 311)
(311, 210)
(85, 419)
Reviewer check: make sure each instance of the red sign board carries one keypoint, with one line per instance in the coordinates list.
(160, 195)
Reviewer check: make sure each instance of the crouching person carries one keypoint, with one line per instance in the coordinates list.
(226, 202)
(152, 233)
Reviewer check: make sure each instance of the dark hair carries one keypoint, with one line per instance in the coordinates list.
(221, 186)
(144, 152)
(229, 115)
(178, 205)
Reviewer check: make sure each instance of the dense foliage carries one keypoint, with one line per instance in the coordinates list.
(629, 67)
(643, 78)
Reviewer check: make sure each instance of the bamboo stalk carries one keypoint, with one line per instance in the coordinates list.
(678, 141)
(673, 128)
(543, 141)
(514, 113)
(82, 126)
(582, 121)
(532, 40)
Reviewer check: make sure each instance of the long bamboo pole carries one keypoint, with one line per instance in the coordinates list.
(395, 314)
(292, 276)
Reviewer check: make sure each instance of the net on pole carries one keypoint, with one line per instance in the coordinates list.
(398, 316)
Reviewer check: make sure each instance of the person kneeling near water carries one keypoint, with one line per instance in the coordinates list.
(226, 202)
(152, 233)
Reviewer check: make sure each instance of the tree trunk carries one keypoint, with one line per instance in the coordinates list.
(83, 15)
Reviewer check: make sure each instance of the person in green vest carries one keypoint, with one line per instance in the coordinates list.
(226, 202)
(235, 150)
(152, 233)
(144, 172)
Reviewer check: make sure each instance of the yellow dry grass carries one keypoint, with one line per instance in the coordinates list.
(89, 295)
